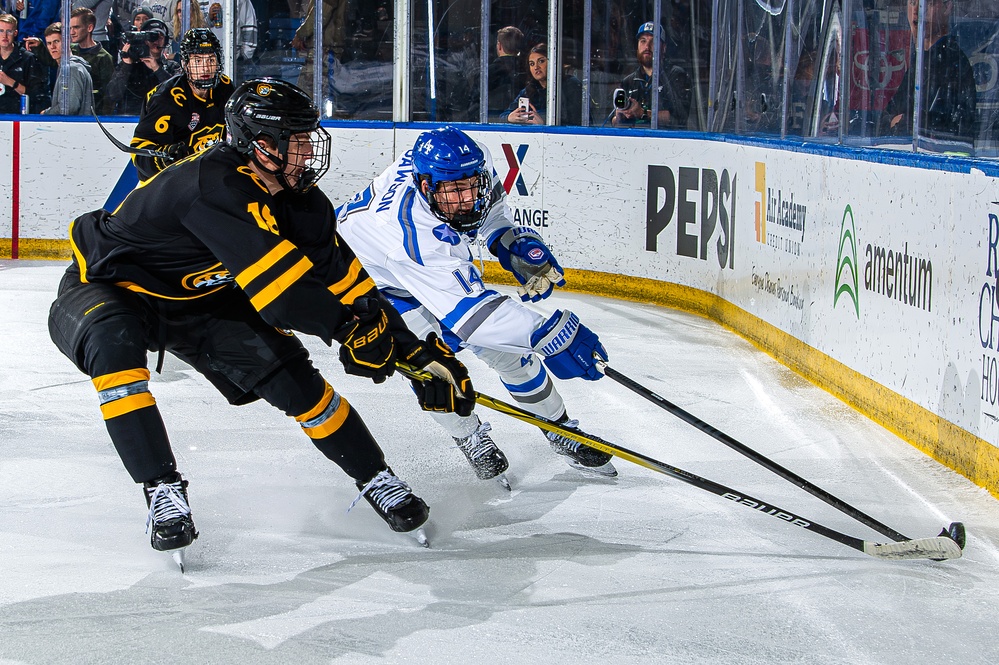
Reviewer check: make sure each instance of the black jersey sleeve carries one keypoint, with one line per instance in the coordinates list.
(235, 219)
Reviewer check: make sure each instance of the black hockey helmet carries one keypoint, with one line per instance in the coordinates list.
(201, 41)
(278, 110)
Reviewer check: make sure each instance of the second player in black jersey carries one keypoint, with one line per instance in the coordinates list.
(185, 114)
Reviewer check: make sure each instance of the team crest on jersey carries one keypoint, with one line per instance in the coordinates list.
(195, 119)
(206, 279)
(536, 254)
(446, 234)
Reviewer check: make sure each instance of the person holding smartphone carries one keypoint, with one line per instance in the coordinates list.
(531, 104)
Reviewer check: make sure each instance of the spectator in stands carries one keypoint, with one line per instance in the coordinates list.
(135, 76)
(79, 89)
(334, 37)
(674, 87)
(198, 20)
(82, 24)
(570, 93)
(246, 25)
(947, 82)
(101, 10)
(506, 76)
(20, 73)
(40, 14)
(140, 16)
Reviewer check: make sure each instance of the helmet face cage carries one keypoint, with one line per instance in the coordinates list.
(200, 74)
(283, 113)
(310, 154)
(452, 192)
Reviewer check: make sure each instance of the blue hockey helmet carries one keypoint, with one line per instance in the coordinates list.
(448, 155)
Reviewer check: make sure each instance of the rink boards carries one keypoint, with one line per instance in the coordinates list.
(876, 279)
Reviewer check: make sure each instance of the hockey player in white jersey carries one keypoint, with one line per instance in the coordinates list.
(412, 228)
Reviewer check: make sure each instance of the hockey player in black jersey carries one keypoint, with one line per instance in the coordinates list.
(217, 259)
(184, 114)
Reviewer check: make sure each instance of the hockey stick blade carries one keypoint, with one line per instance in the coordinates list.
(925, 548)
(937, 549)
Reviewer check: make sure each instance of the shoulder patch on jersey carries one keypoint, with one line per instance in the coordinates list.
(446, 234)
(195, 119)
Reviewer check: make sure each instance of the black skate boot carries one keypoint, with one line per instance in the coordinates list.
(395, 502)
(582, 457)
(486, 459)
(169, 515)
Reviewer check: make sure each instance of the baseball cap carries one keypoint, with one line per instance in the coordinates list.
(648, 27)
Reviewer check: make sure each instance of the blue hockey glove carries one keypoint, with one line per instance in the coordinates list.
(569, 347)
(522, 252)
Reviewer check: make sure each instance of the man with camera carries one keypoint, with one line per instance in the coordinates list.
(141, 69)
(633, 100)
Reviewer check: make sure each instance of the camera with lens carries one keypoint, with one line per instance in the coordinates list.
(138, 43)
(620, 99)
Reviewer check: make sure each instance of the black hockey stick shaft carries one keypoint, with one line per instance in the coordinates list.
(673, 472)
(760, 459)
(142, 152)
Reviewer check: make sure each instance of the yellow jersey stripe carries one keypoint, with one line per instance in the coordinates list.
(358, 291)
(268, 260)
(80, 261)
(348, 281)
(279, 285)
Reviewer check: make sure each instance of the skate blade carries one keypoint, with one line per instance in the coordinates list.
(605, 471)
(421, 537)
(179, 557)
(504, 483)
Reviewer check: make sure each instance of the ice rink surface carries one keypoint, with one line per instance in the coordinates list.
(565, 569)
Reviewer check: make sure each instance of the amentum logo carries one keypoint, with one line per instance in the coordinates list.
(786, 229)
(847, 283)
(515, 160)
(703, 203)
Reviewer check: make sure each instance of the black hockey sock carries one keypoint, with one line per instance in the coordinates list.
(353, 449)
(142, 443)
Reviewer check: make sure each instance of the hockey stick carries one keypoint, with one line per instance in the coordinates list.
(938, 548)
(760, 459)
(142, 152)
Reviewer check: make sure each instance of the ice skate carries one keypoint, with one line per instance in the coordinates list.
(486, 459)
(582, 457)
(169, 516)
(395, 502)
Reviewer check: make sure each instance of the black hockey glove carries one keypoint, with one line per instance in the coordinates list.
(176, 151)
(366, 344)
(450, 391)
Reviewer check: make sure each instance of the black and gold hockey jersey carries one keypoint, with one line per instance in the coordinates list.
(206, 225)
(173, 114)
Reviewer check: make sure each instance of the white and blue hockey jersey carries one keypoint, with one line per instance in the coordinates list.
(415, 257)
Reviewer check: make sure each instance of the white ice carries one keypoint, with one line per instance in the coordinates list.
(564, 569)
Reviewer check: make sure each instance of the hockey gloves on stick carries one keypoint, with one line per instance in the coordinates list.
(450, 390)
(522, 252)
(367, 347)
(568, 347)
